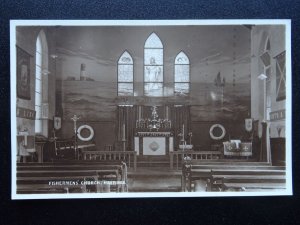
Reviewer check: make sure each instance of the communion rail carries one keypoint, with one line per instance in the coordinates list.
(127, 156)
(179, 156)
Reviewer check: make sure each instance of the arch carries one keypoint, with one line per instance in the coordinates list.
(153, 41)
(265, 65)
(182, 58)
(265, 56)
(125, 58)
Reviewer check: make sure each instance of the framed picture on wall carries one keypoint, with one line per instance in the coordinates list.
(280, 77)
(23, 74)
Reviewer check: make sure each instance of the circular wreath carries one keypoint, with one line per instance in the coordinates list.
(85, 138)
(211, 131)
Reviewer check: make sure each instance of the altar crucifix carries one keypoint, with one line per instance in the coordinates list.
(57, 123)
(75, 118)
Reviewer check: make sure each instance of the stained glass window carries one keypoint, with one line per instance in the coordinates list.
(125, 75)
(153, 66)
(41, 70)
(182, 74)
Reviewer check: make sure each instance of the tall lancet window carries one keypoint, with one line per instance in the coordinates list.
(182, 74)
(266, 59)
(41, 87)
(125, 75)
(153, 66)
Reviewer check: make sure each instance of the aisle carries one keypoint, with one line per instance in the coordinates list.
(154, 179)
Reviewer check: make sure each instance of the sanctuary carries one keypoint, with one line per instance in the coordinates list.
(173, 108)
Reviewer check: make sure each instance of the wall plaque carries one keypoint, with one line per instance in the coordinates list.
(26, 113)
(277, 115)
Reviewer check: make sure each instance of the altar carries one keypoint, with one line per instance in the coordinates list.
(153, 143)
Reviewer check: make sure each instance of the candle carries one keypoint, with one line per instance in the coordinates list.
(167, 112)
(123, 131)
(183, 132)
(25, 139)
(140, 112)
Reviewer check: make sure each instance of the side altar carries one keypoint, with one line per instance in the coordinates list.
(153, 143)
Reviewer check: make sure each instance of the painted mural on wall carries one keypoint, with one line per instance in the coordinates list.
(95, 100)
(214, 95)
(211, 103)
(91, 100)
(216, 83)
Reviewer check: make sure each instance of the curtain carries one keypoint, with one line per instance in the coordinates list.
(180, 117)
(126, 125)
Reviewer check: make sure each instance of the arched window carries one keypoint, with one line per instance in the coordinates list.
(182, 74)
(153, 66)
(41, 71)
(266, 59)
(125, 75)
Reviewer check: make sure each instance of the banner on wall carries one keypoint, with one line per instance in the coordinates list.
(248, 124)
(57, 122)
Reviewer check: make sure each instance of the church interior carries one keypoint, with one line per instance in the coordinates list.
(197, 108)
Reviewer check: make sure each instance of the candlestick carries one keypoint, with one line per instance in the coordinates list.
(75, 118)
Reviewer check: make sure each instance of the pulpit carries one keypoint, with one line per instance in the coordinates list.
(153, 143)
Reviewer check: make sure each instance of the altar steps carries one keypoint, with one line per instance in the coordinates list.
(153, 161)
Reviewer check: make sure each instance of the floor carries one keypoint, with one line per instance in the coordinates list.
(154, 179)
(157, 179)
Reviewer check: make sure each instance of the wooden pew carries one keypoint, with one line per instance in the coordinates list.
(77, 165)
(205, 166)
(36, 175)
(37, 184)
(106, 173)
(254, 186)
(48, 181)
(257, 181)
(203, 170)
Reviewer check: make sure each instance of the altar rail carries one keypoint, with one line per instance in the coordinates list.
(190, 154)
(128, 156)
